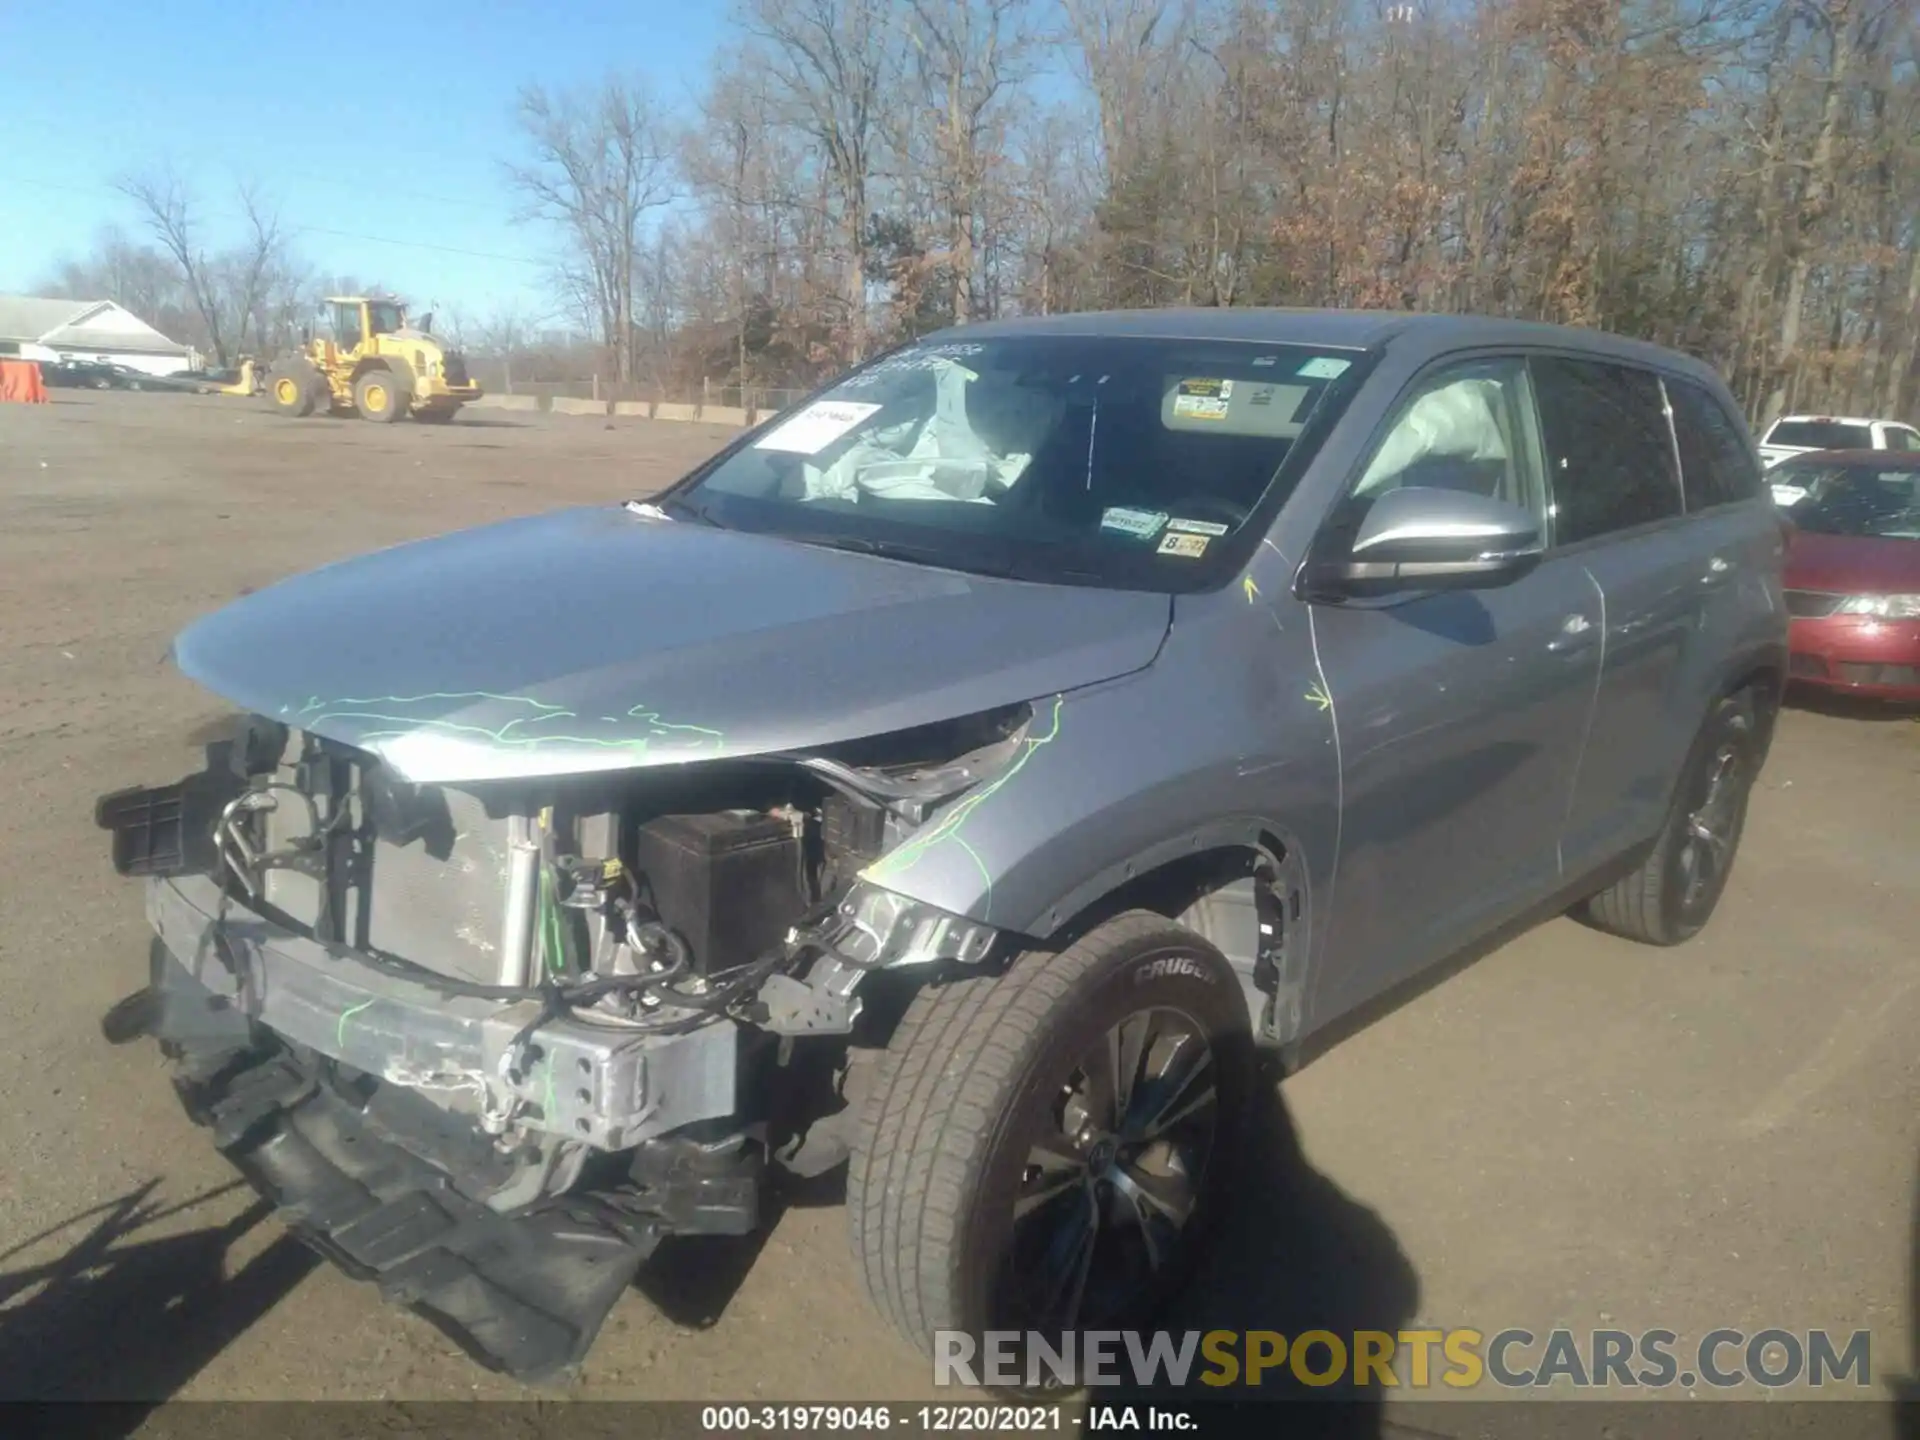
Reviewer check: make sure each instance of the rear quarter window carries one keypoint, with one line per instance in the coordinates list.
(1716, 465)
(1610, 461)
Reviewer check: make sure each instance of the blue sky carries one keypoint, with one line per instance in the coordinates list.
(393, 133)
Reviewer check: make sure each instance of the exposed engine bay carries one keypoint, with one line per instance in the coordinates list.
(575, 990)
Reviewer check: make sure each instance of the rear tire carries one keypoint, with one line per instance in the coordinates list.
(291, 392)
(1673, 893)
(381, 396)
(990, 1145)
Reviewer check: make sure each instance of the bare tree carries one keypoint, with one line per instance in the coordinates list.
(968, 55)
(830, 63)
(600, 167)
(171, 213)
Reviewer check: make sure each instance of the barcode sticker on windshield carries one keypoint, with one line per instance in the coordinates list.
(815, 427)
(1323, 367)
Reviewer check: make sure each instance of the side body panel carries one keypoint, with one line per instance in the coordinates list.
(1462, 718)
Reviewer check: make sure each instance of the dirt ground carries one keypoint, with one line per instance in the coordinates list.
(1572, 1131)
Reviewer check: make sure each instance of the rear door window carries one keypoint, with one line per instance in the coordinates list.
(1821, 435)
(1610, 460)
(1716, 465)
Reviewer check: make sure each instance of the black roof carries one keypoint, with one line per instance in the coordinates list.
(1335, 329)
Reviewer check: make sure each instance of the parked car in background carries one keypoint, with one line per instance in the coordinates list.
(78, 374)
(1853, 571)
(1799, 434)
(109, 375)
(1026, 729)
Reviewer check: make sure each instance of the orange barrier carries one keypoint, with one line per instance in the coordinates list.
(20, 380)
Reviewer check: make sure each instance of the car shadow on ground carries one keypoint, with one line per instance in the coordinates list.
(116, 1317)
(1296, 1254)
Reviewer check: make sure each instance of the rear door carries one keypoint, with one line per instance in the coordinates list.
(1618, 512)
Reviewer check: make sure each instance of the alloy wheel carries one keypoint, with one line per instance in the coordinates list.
(1109, 1185)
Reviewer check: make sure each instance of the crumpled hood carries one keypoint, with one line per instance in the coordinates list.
(596, 639)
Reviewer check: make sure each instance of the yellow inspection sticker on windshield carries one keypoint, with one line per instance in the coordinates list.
(1203, 399)
(1191, 546)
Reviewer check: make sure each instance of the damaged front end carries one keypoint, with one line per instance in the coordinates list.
(486, 1045)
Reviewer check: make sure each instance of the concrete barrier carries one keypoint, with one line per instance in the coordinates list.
(664, 411)
(505, 402)
(723, 415)
(636, 409)
(568, 405)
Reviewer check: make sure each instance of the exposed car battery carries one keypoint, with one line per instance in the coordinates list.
(731, 884)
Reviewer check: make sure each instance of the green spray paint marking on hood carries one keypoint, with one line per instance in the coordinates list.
(381, 709)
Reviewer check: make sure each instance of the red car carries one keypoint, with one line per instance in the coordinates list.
(1853, 570)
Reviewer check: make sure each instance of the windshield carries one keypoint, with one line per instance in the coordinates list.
(1821, 435)
(386, 317)
(1863, 500)
(1091, 460)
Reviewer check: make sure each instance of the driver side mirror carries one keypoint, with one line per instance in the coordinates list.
(1417, 538)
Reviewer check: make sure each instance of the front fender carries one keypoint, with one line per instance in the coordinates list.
(1223, 739)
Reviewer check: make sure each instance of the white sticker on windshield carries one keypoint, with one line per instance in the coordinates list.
(1324, 367)
(1141, 524)
(815, 427)
(1203, 399)
(1198, 527)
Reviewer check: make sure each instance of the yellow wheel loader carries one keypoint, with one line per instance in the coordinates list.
(368, 361)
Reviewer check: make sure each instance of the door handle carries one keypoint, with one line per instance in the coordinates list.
(1576, 633)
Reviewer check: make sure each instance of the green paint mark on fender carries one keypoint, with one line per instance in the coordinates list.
(946, 829)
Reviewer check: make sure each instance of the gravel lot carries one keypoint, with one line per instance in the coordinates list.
(1572, 1131)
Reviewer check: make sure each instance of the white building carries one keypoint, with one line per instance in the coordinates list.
(55, 330)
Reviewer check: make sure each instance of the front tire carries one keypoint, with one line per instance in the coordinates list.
(291, 392)
(1672, 894)
(1045, 1150)
(380, 396)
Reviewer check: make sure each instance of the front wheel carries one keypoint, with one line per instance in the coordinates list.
(292, 392)
(1672, 894)
(380, 396)
(1045, 1150)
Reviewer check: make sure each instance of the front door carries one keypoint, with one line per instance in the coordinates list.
(1460, 716)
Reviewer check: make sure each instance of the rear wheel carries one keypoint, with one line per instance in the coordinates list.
(291, 392)
(1670, 897)
(1045, 1150)
(380, 396)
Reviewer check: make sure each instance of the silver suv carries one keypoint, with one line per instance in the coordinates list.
(967, 775)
